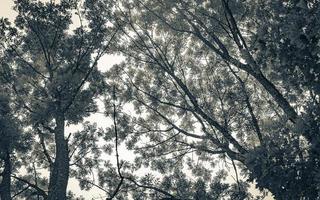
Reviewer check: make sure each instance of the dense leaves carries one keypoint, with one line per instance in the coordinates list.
(213, 97)
(52, 72)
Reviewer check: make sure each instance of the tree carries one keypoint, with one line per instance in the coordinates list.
(13, 140)
(222, 79)
(54, 77)
(204, 83)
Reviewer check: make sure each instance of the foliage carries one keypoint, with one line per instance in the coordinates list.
(221, 79)
(51, 69)
(206, 88)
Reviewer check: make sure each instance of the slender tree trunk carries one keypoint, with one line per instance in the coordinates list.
(5, 185)
(59, 175)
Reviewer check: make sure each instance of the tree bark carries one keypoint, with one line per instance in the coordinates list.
(5, 185)
(59, 174)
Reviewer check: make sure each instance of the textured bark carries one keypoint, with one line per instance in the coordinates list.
(59, 174)
(277, 96)
(5, 185)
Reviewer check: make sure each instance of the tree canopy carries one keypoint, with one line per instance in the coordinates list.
(213, 98)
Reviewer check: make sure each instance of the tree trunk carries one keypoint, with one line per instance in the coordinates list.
(5, 185)
(59, 174)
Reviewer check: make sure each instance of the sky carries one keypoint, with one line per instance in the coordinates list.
(6, 9)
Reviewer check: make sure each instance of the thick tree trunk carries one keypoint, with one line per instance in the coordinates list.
(5, 185)
(59, 174)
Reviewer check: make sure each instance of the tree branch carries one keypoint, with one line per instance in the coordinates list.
(38, 189)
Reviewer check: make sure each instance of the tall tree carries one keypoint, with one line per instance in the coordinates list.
(55, 77)
(221, 78)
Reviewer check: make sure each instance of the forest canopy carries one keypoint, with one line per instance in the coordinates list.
(212, 99)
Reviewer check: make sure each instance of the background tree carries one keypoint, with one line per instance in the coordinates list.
(55, 78)
(13, 143)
